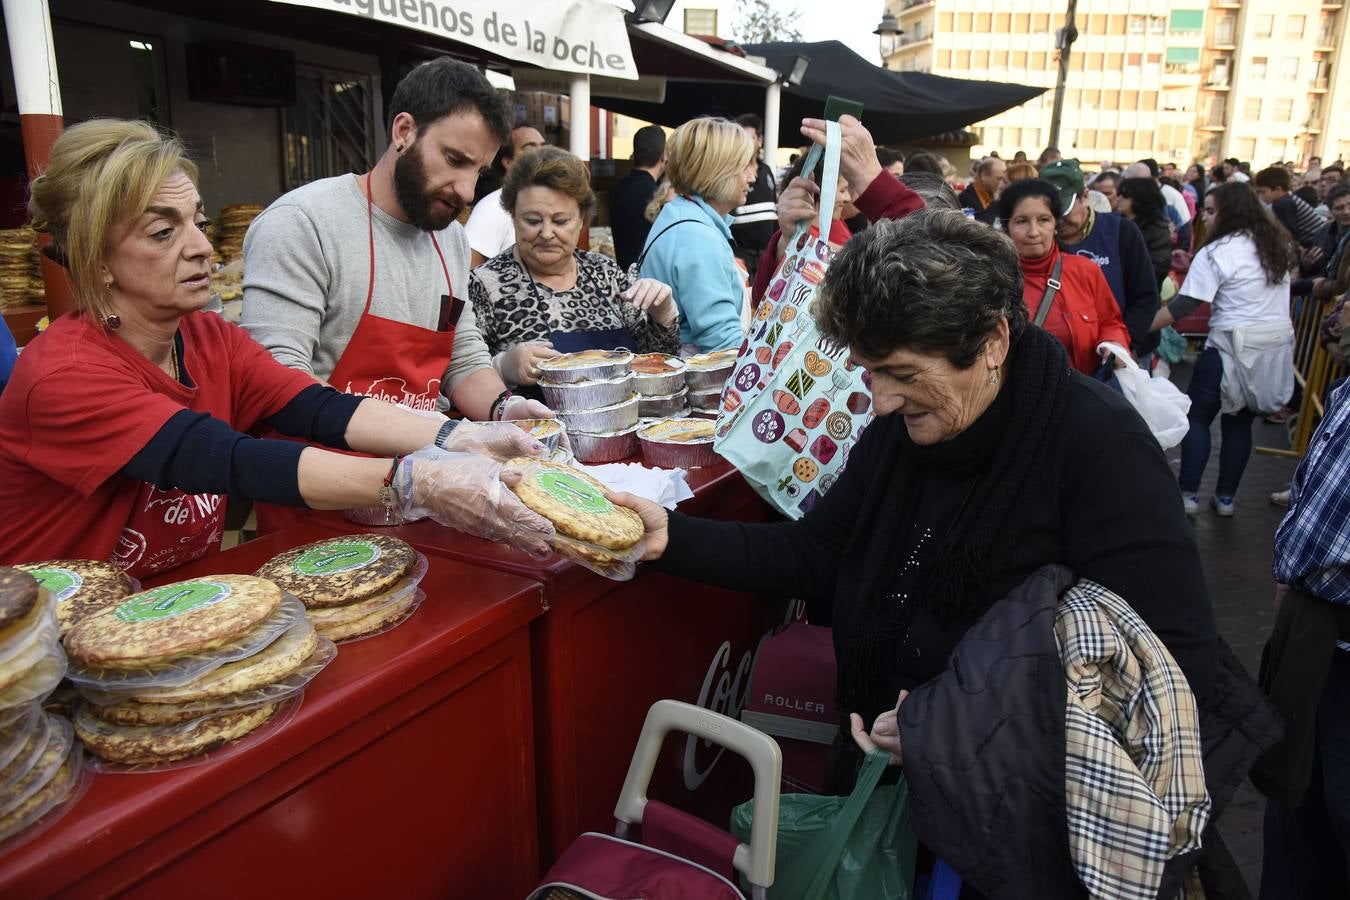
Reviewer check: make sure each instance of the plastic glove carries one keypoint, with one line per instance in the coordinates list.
(524, 408)
(470, 492)
(499, 440)
(652, 297)
(519, 363)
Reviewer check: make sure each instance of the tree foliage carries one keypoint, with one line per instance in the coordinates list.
(762, 22)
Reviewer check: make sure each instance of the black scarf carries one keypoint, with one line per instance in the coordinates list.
(1004, 446)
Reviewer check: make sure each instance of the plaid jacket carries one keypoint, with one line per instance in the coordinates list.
(1134, 777)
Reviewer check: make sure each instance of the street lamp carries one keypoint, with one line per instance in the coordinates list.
(797, 74)
(888, 36)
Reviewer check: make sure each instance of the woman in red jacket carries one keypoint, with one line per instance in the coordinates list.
(1085, 312)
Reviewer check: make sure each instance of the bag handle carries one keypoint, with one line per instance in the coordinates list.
(829, 179)
(1052, 286)
(755, 860)
(1120, 353)
(826, 852)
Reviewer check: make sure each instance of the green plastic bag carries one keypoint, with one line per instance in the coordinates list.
(1171, 346)
(839, 848)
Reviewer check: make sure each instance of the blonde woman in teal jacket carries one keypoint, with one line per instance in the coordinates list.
(710, 167)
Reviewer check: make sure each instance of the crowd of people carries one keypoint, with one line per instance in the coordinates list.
(1004, 466)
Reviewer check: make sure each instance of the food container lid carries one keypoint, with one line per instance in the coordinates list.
(657, 398)
(539, 428)
(583, 385)
(716, 359)
(657, 365)
(679, 431)
(584, 359)
(606, 434)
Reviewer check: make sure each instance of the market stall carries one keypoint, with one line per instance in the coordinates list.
(607, 650)
(409, 767)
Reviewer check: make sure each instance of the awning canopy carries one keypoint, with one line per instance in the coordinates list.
(898, 106)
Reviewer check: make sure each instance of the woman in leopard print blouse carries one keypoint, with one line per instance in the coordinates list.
(543, 296)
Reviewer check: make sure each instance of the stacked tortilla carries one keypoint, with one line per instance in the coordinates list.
(590, 529)
(80, 587)
(40, 763)
(20, 276)
(234, 221)
(354, 586)
(180, 670)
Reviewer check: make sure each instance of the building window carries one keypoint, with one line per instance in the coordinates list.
(1293, 27)
(1187, 21)
(982, 23)
(1012, 137)
(1097, 24)
(1113, 62)
(1036, 62)
(1032, 136)
(1149, 100)
(1289, 68)
(961, 62)
(963, 22)
(1002, 23)
(1225, 30)
(1251, 109)
(1265, 26)
(998, 59)
(1110, 99)
(330, 128)
(1246, 148)
(1326, 33)
(1284, 109)
(700, 21)
(1133, 59)
(1157, 25)
(1040, 22)
(1116, 27)
(1183, 60)
(1021, 23)
(1018, 60)
(945, 22)
(1129, 100)
(1125, 140)
(1137, 25)
(979, 59)
(1257, 67)
(944, 59)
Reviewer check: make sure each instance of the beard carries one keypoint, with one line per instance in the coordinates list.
(410, 188)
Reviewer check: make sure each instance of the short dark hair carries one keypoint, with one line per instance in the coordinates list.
(932, 281)
(1109, 175)
(1338, 192)
(750, 120)
(1146, 199)
(444, 86)
(1274, 177)
(923, 161)
(888, 157)
(1334, 167)
(1152, 166)
(935, 191)
(1018, 191)
(1308, 194)
(1046, 154)
(649, 142)
(550, 167)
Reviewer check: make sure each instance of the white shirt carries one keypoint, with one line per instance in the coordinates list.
(1177, 202)
(1228, 274)
(490, 229)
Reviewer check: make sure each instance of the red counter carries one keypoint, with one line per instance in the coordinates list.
(607, 650)
(407, 772)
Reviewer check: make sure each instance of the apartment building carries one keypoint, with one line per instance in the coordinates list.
(1173, 79)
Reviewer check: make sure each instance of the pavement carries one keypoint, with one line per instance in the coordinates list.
(1237, 558)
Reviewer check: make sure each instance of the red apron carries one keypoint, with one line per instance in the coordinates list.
(389, 360)
(168, 528)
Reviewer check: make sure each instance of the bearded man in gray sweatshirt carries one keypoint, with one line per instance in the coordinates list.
(361, 279)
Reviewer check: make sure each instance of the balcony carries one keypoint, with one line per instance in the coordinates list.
(1319, 85)
(1213, 126)
(909, 6)
(1217, 83)
(1331, 4)
(908, 42)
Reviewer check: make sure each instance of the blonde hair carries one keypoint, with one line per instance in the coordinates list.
(103, 173)
(705, 156)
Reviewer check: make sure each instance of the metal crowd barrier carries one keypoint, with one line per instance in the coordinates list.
(1314, 370)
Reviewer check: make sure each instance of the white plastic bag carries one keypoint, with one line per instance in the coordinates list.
(1159, 402)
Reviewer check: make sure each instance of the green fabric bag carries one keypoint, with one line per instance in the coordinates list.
(1171, 345)
(839, 848)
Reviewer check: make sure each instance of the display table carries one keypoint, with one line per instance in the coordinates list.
(407, 772)
(607, 650)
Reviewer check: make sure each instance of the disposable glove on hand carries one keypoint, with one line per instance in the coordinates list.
(470, 492)
(499, 440)
(525, 408)
(519, 363)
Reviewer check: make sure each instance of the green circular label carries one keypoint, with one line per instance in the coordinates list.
(61, 584)
(574, 492)
(335, 557)
(172, 600)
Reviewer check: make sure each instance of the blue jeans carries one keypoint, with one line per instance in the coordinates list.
(1236, 429)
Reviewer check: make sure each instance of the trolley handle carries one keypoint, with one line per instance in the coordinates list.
(754, 860)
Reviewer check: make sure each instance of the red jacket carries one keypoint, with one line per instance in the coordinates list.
(885, 198)
(1085, 311)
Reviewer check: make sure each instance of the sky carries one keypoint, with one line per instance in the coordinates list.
(849, 21)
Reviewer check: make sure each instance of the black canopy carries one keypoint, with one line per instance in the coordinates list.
(897, 106)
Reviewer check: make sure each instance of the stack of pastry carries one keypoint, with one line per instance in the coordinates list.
(180, 670)
(80, 587)
(20, 277)
(354, 586)
(234, 222)
(40, 763)
(590, 529)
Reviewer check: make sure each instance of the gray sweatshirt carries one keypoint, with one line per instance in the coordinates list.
(307, 268)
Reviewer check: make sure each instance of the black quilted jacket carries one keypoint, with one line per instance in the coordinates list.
(984, 754)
